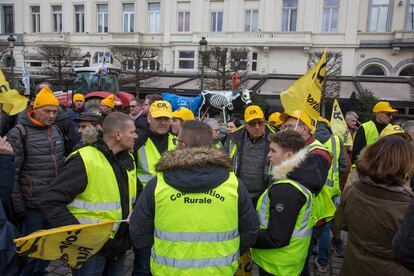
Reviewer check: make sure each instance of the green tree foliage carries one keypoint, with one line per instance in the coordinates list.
(365, 102)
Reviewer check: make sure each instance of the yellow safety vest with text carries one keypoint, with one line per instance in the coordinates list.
(290, 259)
(147, 157)
(196, 233)
(323, 206)
(101, 200)
(371, 132)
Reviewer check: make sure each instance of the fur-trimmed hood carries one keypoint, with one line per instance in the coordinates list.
(301, 167)
(194, 170)
(193, 157)
(281, 170)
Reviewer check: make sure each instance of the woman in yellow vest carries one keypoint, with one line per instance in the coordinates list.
(195, 217)
(285, 208)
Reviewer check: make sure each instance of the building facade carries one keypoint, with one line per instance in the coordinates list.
(376, 37)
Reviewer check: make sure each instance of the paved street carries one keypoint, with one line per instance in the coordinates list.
(57, 268)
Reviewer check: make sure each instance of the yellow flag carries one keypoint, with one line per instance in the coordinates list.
(72, 243)
(10, 99)
(339, 126)
(305, 93)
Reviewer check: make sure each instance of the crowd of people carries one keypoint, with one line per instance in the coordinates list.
(191, 201)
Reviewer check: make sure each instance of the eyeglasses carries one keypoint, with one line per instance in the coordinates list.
(259, 123)
(177, 141)
(291, 126)
(389, 114)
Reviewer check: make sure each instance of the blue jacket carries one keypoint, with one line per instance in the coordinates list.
(8, 257)
(7, 180)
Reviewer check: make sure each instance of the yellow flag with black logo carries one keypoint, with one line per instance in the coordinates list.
(339, 126)
(74, 244)
(305, 93)
(10, 99)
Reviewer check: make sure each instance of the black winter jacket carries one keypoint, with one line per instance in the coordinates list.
(191, 170)
(404, 239)
(38, 160)
(6, 181)
(289, 200)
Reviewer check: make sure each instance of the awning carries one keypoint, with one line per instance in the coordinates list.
(390, 91)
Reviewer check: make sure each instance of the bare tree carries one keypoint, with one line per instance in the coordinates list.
(59, 59)
(4, 49)
(220, 63)
(332, 85)
(141, 61)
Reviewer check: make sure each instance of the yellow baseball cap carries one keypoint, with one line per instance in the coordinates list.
(253, 112)
(383, 107)
(322, 119)
(78, 97)
(184, 114)
(160, 109)
(274, 119)
(301, 116)
(394, 130)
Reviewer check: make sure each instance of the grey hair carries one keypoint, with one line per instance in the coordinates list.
(351, 114)
(211, 122)
(408, 127)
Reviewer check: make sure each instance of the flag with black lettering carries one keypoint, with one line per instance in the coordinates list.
(74, 244)
(339, 126)
(10, 99)
(305, 93)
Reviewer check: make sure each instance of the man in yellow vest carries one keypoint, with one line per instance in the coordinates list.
(324, 208)
(369, 132)
(98, 183)
(285, 208)
(152, 146)
(178, 117)
(195, 217)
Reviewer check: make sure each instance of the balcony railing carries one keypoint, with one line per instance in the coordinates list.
(276, 38)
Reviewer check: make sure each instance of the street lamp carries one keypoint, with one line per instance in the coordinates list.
(203, 49)
(11, 41)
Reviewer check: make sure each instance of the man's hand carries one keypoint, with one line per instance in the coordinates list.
(5, 147)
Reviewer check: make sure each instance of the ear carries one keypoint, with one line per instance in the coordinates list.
(289, 154)
(117, 135)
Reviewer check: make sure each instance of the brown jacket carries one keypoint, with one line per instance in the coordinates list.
(371, 214)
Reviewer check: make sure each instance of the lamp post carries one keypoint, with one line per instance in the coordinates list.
(11, 41)
(203, 49)
(87, 60)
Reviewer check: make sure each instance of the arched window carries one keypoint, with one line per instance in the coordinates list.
(373, 70)
(407, 71)
(8, 61)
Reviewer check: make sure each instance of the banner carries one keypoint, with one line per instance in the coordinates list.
(26, 80)
(339, 126)
(10, 99)
(305, 93)
(72, 243)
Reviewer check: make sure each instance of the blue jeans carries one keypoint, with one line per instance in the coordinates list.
(99, 265)
(324, 244)
(34, 221)
(141, 264)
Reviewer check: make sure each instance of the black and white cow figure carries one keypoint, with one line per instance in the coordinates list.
(223, 101)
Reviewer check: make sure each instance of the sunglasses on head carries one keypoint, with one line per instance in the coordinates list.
(259, 123)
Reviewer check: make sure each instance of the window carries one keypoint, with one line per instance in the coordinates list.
(290, 13)
(410, 17)
(330, 15)
(8, 22)
(97, 57)
(254, 61)
(373, 70)
(407, 71)
(57, 19)
(35, 64)
(35, 19)
(238, 60)
(184, 21)
(145, 65)
(251, 19)
(128, 18)
(154, 17)
(186, 60)
(216, 22)
(79, 18)
(8, 61)
(378, 20)
(102, 18)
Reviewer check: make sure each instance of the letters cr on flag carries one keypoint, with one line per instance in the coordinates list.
(305, 93)
(73, 243)
(10, 99)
